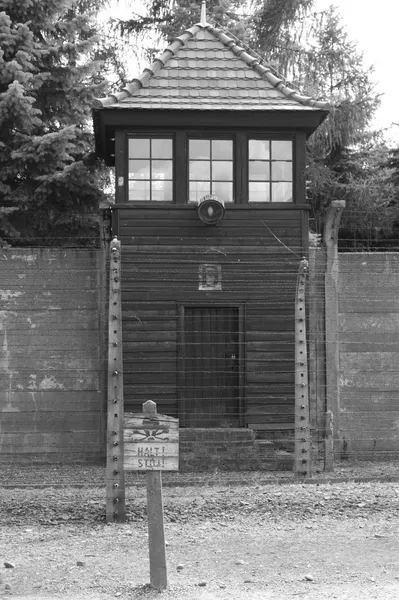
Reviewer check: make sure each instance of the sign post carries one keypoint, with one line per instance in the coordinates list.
(151, 444)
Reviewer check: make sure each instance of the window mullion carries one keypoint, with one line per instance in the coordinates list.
(180, 168)
(240, 169)
(151, 170)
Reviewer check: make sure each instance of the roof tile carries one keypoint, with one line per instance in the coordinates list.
(204, 69)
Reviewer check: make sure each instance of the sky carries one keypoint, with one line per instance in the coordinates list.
(374, 26)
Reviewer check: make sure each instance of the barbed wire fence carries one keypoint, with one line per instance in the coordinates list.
(228, 373)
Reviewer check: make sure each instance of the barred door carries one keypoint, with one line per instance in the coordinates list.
(211, 377)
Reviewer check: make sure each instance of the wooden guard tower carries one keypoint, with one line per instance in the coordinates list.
(210, 209)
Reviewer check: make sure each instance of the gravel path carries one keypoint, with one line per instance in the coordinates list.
(246, 542)
(234, 536)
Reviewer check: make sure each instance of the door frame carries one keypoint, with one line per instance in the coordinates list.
(181, 400)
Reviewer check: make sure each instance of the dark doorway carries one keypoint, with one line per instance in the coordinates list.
(211, 367)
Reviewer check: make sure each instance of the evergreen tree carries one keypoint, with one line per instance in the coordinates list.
(392, 163)
(50, 181)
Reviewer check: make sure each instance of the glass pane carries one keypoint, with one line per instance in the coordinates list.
(139, 148)
(282, 192)
(259, 192)
(259, 170)
(162, 191)
(282, 171)
(162, 169)
(139, 169)
(222, 169)
(281, 150)
(200, 170)
(259, 149)
(198, 189)
(139, 190)
(199, 149)
(224, 190)
(222, 149)
(161, 148)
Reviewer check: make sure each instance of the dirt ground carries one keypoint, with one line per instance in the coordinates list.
(259, 540)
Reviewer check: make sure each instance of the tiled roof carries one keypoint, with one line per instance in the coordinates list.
(205, 69)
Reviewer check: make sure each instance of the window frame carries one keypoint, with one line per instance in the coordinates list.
(180, 170)
(160, 135)
(270, 138)
(211, 135)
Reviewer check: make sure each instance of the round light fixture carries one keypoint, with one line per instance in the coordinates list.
(210, 209)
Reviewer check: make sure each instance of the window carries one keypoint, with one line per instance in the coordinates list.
(270, 171)
(210, 169)
(183, 166)
(151, 169)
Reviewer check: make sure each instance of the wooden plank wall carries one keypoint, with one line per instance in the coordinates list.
(51, 402)
(259, 252)
(369, 353)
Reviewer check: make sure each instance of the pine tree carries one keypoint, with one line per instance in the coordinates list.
(50, 181)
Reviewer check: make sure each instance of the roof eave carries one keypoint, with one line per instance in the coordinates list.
(107, 119)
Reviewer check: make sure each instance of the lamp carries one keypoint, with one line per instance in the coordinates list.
(210, 209)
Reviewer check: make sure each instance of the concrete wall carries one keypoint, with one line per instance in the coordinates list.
(51, 363)
(368, 307)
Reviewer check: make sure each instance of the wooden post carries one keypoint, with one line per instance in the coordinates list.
(332, 317)
(302, 463)
(156, 536)
(115, 510)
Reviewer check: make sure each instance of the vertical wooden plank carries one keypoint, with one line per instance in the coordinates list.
(302, 462)
(115, 507)
(182, 383)
(331, 228)
(241, 364)
(180, 168)
(121, 168)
